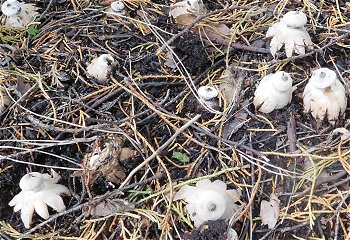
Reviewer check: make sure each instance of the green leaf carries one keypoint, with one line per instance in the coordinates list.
(182, 157)
(32, 31)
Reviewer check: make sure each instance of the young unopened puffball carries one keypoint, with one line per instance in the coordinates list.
(39, 191)
(101, 67)
(208, 201)
(208, 95)
(17, 15)
(291, 33)
(273, 92)
(324, 95)
(118, 7)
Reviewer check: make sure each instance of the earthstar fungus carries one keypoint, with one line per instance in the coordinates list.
(291, 33)
(324, 95)
(273, 92)
(38, 192)
(101, 67)
(18, 15)
(209, 95)
(208, 201)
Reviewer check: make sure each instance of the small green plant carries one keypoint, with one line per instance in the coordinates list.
(182, 157)
(33, 31)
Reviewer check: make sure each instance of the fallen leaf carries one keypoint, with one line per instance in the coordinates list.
(126, 153)
(182, 157)
(217, 33)
(105, 160)
(4, 99)
(229, 85)
(169, 60)
(269, 211)
(108, 207)
(186, 7)
(185, 12)
(234, 124)
(309, 165)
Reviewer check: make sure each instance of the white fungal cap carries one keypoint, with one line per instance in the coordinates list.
(10, 7)
(288, 34)
(101, 67)
(19, 15)
(324, 95)
(294, 19)
(117, 6)
(323, 78)
(282, 81)
(208, 201)
(273, 92)
(31, 181)
(207, 93)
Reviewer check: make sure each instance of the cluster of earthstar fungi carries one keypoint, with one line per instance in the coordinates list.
(324, 95)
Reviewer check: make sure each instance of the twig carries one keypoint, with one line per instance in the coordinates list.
(292, 135)
(199, 18)
(160, 149)
(93, 202)
(337, 212)
(322, 181)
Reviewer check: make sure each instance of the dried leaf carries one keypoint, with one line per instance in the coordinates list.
(321, 177)
(114, 172)
(4, 100)
(169, 60)
(106, 161)
(186, 7)
(234, 124)
(185, 19)
(217, 33)
(109, 207)
(229, 85)
(269, 211)
(126, 153)
(22, 87)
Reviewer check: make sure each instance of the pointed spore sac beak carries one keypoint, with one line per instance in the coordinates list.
(323, 75)
(109, 61)
(284, 77)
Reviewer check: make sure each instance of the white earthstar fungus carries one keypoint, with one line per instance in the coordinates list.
(39, 191)
(208, 201)
(101, 67)
(18, 15)
(324, 95)
(291, 33)
(273, 92)
(208, 95)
